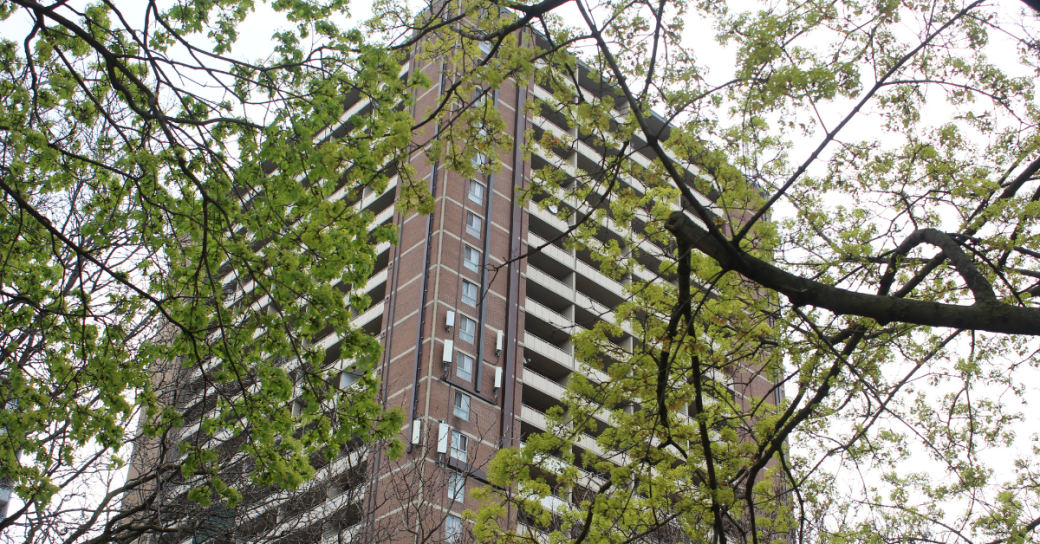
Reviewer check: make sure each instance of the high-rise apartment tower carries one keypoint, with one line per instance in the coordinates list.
(476, 330)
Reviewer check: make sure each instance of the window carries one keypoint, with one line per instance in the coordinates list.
(467, 329)
(479, 160)
(473, 224)
(464, 369)
(471, 259)
(453, 528)
(459, 446)
(462, 405)
(476, 192)
(470, 292)
(456, 486)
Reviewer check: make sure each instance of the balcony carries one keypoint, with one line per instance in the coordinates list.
(559, 356)
(564, 259)
(539, 400)
(544, 386)
(553, 123)
(592, 282)
(366, 319)
(551, 317)
(536, 278)
(536, 418)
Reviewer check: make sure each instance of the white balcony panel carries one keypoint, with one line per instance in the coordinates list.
(359, 321)
(381, 217)
(555, 504)
(580, 147)
(607, 222)
(596, 376)
(549, 351)
(599, 310)
(563, 257)
(530, 532)
(547, 217)
(646, 275)
(595, 157)
(596, 276)
(278, 498)
(364, 319)
(367, 201)
(534, 417)
(543, 384)
(545, 280)
(593, 306)
(381, 248)
(555, 465)
(376, 279)
(353, 110)
(580, 299)
(538, 310)
(545, 95)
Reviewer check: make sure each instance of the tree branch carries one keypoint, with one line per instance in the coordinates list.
(984, 315)
(979, 285)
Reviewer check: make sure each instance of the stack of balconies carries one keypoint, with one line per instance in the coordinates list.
(329, 506)
(566, 290)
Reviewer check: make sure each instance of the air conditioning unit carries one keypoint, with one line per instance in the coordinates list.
(443, 435)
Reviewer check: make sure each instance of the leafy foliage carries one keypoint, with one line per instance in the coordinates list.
(848, 289)
(163, 202)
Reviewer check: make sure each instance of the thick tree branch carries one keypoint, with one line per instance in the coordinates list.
(979, 285)
(530, 13)
(589, 515)
(984, 315)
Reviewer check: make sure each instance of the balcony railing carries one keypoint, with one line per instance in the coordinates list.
(534, 274)
(537, 418)
(550, 316)
(543, 384)
(579, 266)
(563, 257)
(638, 157)
(551, 352)
(370, 314)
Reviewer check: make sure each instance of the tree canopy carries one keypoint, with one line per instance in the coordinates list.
(152, 202)
(859, 203)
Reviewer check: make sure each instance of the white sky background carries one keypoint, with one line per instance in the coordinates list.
(867, 125)
(255, 43)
